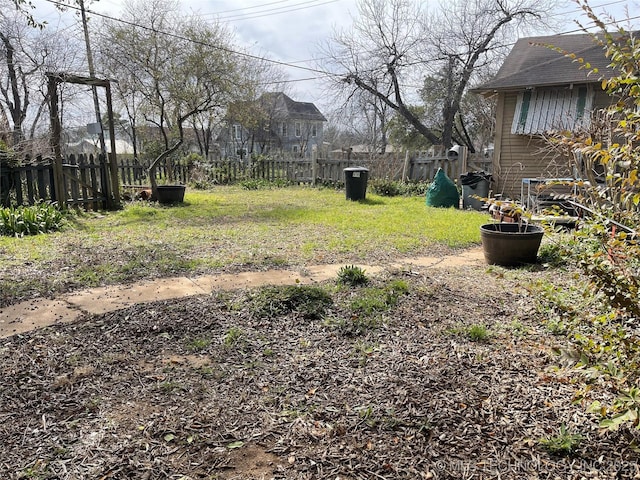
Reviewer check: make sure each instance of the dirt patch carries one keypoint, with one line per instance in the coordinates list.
(25, 316)
(157, 391)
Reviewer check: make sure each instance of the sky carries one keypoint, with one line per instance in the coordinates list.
(290, 31)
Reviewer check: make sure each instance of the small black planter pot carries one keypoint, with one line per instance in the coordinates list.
(171, 193)
(510, 244)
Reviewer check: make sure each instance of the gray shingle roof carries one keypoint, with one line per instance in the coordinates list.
(532, 64)
(294, 109)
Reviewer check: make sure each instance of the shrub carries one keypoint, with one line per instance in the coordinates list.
(394, 188)
(386, 188)
(605, 336)
(30, 220)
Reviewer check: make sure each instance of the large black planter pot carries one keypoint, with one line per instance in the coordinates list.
(510, 244)
(171, 193)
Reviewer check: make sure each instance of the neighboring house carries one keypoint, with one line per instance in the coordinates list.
(91, 146)
(274, 124)
(540, 90)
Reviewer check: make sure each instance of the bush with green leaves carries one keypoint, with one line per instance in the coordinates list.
(30, 220)
(395, 188)
(263, 184)
(606, 247)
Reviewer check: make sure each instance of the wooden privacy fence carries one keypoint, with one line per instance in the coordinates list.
(85, 176)
(133, 172)
(83, 182)
(412, 168)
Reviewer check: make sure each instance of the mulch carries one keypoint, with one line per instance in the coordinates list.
(204, 388)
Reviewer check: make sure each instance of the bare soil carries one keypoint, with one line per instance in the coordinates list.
(203, 387)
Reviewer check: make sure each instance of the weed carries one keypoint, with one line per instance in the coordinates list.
(477, 333)
(556, 326)
(553, 254)
(564, 443)
(206, 370)
(398, 287)
(364, 350)
(370, 301)
(352, 275)
(37, 471)
(374, 299)
(233, 337)
(354, 325)
(170, 386)
(366, 414)
(197, 344)
(518, 328)
(309, 301)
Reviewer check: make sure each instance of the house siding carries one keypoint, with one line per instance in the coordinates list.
(525, 156)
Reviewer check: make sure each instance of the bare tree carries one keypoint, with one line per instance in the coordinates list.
(393, 44)
(179, 66)
(255, 109)
(25, 54)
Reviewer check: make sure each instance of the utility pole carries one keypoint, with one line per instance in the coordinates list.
(92, 74)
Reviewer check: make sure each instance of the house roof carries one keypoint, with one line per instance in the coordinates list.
(298, 110)
(532, 63)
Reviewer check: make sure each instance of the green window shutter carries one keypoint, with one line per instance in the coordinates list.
(524, 110)
(582, 102)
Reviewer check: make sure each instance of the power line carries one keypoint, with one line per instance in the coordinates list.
(180, 37)
(321, 73)
(270, 11)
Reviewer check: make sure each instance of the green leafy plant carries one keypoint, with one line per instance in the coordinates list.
(564, 443)
(606, 248)
(233, 337)
(197, 344)
(30, 220)
(394, 188)
(352, 275)
(376, 299)
(364, 351)
(625, 410)
(477, 333)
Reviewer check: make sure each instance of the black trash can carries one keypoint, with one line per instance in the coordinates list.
(474, 184)
(355, 182)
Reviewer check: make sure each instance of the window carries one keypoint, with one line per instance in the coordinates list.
(284, 129)
(237, 132)
(543, 110)
(298, 129)
(314, 130)
(294, 149)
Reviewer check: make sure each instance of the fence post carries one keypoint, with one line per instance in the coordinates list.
(314, 166)
(405, 166)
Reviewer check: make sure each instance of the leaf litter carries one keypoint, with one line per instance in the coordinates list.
(154, 392)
